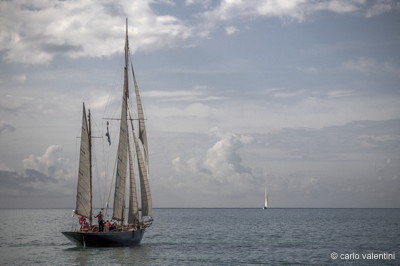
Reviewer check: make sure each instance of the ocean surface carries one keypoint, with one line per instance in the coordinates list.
(214, 237)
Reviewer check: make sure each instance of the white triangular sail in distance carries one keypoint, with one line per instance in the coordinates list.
(266, 199)
(84, 189)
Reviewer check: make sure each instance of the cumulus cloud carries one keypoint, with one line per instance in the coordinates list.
(13, 103)
(43, 177)
(220, 171)
(380, 7)
(362, 65)
(20, 78)
(230, 30)
(197, 93)
(6, 126)
(292, 10)
(357, 136)
(34, 32)
(350, 165)
(181, 95)
(50, 163)
(340, 93)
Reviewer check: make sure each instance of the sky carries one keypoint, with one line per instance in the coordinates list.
(299, 97)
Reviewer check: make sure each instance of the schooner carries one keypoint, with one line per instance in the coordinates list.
(124, 234)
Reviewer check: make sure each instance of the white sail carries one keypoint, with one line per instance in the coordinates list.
(144, 181)
(84, 190)
(142, 158)
(122, 158)
(266, 199)
(142, 127)
(133, 214)
(124, 153)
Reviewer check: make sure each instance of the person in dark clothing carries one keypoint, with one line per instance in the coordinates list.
(99, 217)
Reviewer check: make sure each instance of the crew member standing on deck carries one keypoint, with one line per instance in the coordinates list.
(100, 220)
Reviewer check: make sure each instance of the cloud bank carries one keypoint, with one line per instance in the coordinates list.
(45, 182)
(34, 32)
(218, 174)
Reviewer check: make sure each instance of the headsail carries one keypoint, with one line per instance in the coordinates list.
(133, 214)
(142, 127)
(144, 181)
(84, 190)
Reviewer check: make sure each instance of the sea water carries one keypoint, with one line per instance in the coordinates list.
(214, 237)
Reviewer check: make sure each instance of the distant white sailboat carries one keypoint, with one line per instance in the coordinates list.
(266, 200)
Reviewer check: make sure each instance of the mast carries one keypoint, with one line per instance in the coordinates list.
(125, 157)
(120, 183)
(90, 168)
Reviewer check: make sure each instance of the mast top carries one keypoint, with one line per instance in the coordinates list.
(126, 19)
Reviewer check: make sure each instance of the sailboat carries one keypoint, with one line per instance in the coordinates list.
(139, 219)
(266, 200)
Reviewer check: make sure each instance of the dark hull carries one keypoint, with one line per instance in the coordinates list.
(106, 239)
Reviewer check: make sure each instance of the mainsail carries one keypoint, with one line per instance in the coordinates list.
(84, 190)
(125, 156)
(122, 155)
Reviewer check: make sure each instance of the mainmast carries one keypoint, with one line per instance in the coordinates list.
(90, 168)
(125, 158)
(123, 144)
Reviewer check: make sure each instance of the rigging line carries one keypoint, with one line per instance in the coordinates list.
(105, 171)
(102, 192)
(96, 163)
(113, 85)
(75, 167)
(95, 168)
(112, 181)
(111, 152)
(97, 128)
